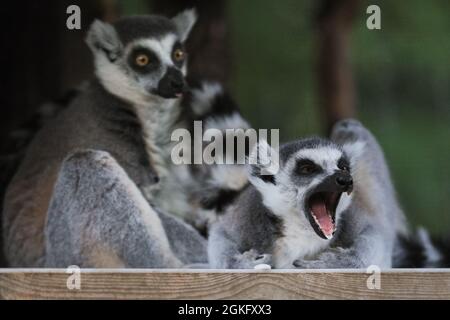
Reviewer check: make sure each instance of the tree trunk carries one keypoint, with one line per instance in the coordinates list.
(335, 80)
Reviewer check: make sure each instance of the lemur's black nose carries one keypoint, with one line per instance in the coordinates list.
(177, 84)
(172, 84)
(175, 79)
(344, 181)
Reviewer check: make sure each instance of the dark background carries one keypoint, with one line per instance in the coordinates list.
(294, 65)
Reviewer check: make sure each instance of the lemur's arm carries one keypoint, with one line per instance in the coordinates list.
(99, 218)
(224, 253)
(366, 248)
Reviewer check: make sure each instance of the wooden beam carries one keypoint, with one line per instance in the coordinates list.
(224, 284)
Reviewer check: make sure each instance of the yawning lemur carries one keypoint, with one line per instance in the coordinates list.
(96, 187)
(330, 205)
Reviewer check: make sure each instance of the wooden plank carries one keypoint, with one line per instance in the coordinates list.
(226, 284)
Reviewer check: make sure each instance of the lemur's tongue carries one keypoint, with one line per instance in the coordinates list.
(322, 216)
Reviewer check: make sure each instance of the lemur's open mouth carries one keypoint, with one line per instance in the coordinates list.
(321, 212)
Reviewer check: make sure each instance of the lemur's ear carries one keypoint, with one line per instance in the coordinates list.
(354, 151)
(103, 37)
(184, 21)
(263, 162)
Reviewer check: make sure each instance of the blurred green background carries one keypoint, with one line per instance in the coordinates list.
(402, 76)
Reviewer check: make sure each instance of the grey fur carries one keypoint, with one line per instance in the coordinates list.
(244, 237)
(99, 218)
(276, 229)
(96, 121)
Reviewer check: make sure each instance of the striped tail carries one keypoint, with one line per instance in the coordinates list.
(419, 250)
(221, 183)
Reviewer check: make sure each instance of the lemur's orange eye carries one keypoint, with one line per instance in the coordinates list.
(142, 60)
(178, 55)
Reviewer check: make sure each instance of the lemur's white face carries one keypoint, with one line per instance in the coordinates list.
(147, 67)
(313, 183)
(319, 178)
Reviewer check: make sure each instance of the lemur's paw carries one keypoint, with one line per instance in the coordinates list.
(263, 259)
(310, 264)
(251, 258)
(335, 258)
(349, 130)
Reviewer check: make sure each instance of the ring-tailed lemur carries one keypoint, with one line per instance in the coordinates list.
(331, 205)
(96, 187)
